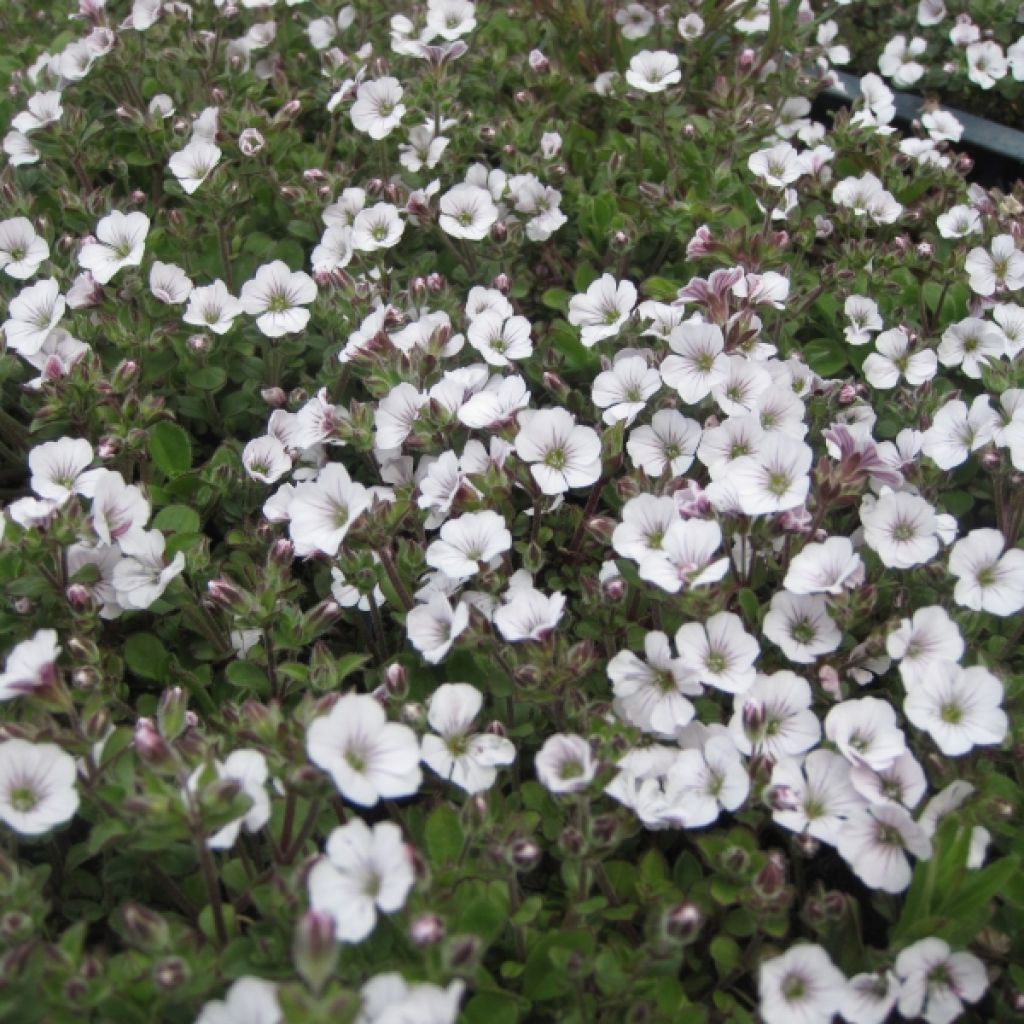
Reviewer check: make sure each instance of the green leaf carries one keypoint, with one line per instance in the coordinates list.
(444, 835)
(208, 378)
(660, 289)
(146, 656)
(556, 298)
(248, 676)
(825, 356)
(750, 606)
(170, 448)
(492, 1008)
(177, 519)
(726, 954)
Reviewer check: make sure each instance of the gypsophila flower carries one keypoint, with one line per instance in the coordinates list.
(378, 108)
(467, 211)
(213, 307)
(923, 643)
(800, 625)
(37, 786)
(901, 528)
(31, 665)
(22, 250)
(893, 360)
(365, 870)
(467, 542)
(121, 240)
(368, 757)
(32, 315)
(999, 268)
(469, 759)
(603, 309)
(988, 579)
(277, 297)
(773, 717)
(194, 164)
(935, 982)
(668, 444)
(719, 651)
(801, 985)
(434, 626)
(169, 283)
(875, 842)
(561, 454)
(814, 797)
(653, 71)
(565, 763)
(249, 1001)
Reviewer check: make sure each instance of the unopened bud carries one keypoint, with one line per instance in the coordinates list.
(524, 854)
(124, 374)
(539, 64)
(396, 679)
(197, 344)
(435, 283)
(683, 922)
(782, 798)
(754, 717)
(614, 589)
(503, 283)
(274, 397)
(426, 930)
(462, 954)
(171, 973)
(170, 714)
(250, 142)
(315, 948)
(151, 747)
(226, 594)
(144, 927)
(79, 596)
(772, 877)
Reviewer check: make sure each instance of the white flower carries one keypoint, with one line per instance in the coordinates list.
(895, 60)
(22, 251)
(923, 643)
(814, 796)
(736, 437)
(866, 733)
(396, 414)
(249, 769)
(57, 467)
(972, 343)
(935, 982)
(249, 1001)
(469, 759)
(467, 211)
(778, 166)
(988, 579)
(377, 227)
(774, 717)
(958, 222)
(277, 295)
(323, 510)
(565, 763)
(32, 315)
(433, 627)
(685, 556)
(497, 403)
(561, 454)
(800, 625)
(870, 998)
(1000, 268)
(118, 509)
(827, 568)
(667, 445)
(141, 577)
(101, 559)
(265, 459)
(500, 340)
(883, 368)
(169, 283)
(956, 432)
(903, 782)
(690, 27)
(875, 843)
(720, 652)
(193, 164)
(802, 986)
(698, 364)
(635, 20)
(942, 126)
(466, 542)
(653, 70)
(487, 300)
(388, 999)
(1010, 318)
(368, 757)
(775, 479)
(334, 251)
(707, 776)
(121, 241)
(528, 614)
(451, 19)
(424, 148)
(365, 871)
(378, 107)
(213, 307)
(19, 149)
(32, 664)
(623, 390)
(37, 786)
(986, 63)
(901, 528)
(864, 319)
(866, 196)
(43, 108)
(958, 707)
(602, 309)
(652, 694)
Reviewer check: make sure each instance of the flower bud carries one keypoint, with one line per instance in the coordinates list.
(539, 64)
(571, 842)
(144, 927)
(151, 747)
(754, 717)
(462, 954)
(171, 973)
(16, 926)
(170, 714)
(772, 877)
(503, 283)
(435, 283)
(314, 949)
(197, 344)
(250, 142)
(124, 374)
(523, 854)
(781, 798)
(396, 679)
(274, 397)
(321, 617)
(682, 922)
(79, 596)
(614, 589)
(426, 930)
(499, 231)
(735, 859)
(226, 594)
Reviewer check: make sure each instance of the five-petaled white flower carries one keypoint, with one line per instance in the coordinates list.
(37, 786)
(277, 296)
(121, 241)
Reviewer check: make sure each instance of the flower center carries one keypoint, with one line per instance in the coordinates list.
(794, 987)
(571, 769)
(24, 799)
(951, 714)
(556, 459)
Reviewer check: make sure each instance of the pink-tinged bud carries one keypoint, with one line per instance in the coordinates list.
(488, 133)
(683, 922)
(426, 930)
(23, 605)
(499, 231)
(527, 676)
(314, 174)
(96, 726)
(226, 594)
(151, 747)
(108, 447)
(754, 717)
(79, 596)
(198, 344)
(524, 854)
(282, 552)
(16, 926)
(925, 250)
(509, 150)
(289, 193)
(274, 397)
(180, 126)
(539, 64)
(322, 616)
(614, 590)
(782, 798)
(558, 387)
(289, 110)
(124, 374)
(746, 59)
(84, 649)
(847, 394)
(435, 283)
(250, 142)
(523, 96)
(772, 877)
(171, 973)
(829, 679)
(396, 679)
(620, 240)
(502, 283)
(375, 186)
(315, 948)
(462, 954)
(571, 841)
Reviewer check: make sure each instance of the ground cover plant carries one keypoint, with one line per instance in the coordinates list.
(506, 518)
